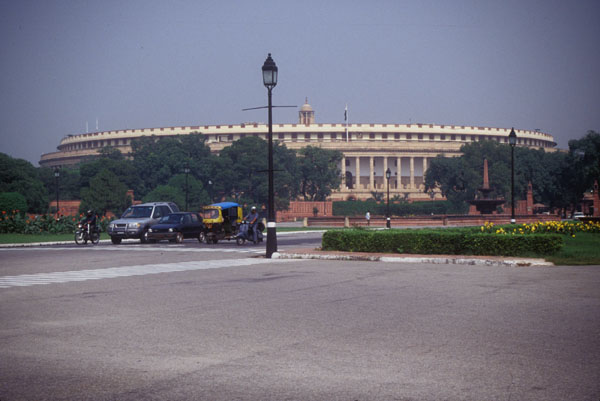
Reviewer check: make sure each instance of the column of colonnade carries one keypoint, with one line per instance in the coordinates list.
(368, 183)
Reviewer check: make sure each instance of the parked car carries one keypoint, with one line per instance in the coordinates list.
(578, 215)
(137, 219)
(177, 226)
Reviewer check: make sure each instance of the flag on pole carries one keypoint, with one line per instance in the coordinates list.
(346, 113)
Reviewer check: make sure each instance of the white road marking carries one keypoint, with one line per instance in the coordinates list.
(26, 280)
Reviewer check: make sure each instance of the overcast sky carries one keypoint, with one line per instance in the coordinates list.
(136, 64)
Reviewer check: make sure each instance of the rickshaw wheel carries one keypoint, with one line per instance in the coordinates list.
(215, 239)
(201, 237)
(240, 241)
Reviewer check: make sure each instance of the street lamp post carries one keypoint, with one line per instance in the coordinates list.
(388, 174)
(186, 170)
(56, 175)
(210, 183)
(512, 140)
(269, 70)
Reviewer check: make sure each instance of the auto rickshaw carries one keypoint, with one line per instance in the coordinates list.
(222, 221)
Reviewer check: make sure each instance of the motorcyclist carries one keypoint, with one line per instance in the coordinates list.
(252, 219)
(90, 219)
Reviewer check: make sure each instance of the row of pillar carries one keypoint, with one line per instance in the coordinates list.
(371, 184)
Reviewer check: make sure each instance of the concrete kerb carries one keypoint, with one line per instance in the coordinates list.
(434, 259)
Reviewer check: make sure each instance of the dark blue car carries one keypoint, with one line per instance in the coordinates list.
(177, 226)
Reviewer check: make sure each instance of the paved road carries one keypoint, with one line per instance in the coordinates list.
(169, 322)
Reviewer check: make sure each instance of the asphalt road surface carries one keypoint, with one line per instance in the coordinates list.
(220, 322)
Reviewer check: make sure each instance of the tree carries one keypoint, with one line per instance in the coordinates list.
(158, 160)
(247, 159)
(10, 201)
(18, 175)
(585, 156)
(174, 191)
(105, 193)
(319, 172)
(112, 160)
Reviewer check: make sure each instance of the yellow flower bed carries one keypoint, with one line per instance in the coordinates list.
(554, 227)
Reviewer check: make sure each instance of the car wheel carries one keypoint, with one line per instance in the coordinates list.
(115, 240)
(179, 238)
(144, 236)
(201, 237)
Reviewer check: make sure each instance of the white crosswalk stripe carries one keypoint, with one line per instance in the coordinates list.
(127, 271)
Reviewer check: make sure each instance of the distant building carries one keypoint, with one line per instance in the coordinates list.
(368, 149)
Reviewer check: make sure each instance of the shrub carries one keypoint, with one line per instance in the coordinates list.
(452, 242)
(10, 201)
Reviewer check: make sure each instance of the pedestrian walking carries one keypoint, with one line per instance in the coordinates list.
(368, 218)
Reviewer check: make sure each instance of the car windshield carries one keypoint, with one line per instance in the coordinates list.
(211, 214)
(172, 218)
(137, 211)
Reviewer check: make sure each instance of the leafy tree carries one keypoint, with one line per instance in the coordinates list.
(460, 177)
(10, 201)
(112, 160)
(319, 172)
(18, 175)
(68, 182)
(158, 160)
(585, 156)
(165, 193)
(105, 193)
(174, 191)
(248, 162)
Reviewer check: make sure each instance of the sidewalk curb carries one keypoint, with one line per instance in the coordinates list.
(521, 262)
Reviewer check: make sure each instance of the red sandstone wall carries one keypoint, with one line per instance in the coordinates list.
(300, 209)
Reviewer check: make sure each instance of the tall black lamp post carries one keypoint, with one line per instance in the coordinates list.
(186, 170)
(512, 141)
(56, 175)
(388, 174)
(269, 70)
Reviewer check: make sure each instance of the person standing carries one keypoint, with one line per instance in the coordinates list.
(368, 218)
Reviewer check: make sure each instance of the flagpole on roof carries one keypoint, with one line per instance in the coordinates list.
(346, 120)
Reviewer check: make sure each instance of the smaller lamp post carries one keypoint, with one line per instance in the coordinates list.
(186, 170)
(512, 141)
(210, 183)
(388, 174)
(56, 175)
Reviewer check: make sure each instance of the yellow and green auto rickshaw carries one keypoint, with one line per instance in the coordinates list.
(222, 221)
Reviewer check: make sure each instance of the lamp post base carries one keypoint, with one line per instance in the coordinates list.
(513, 221)
(271, 239)
(388, 223)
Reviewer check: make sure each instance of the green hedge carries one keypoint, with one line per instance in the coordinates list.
(441, 242)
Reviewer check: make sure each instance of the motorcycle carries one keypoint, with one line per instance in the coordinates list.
(245, 234)
(85, 233)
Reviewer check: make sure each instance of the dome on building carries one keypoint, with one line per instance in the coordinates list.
(306, 115)
(306, 106)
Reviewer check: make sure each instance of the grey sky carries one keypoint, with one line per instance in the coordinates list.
(136, 64)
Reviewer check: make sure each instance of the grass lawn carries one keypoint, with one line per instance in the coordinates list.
(29, 238)
(584, 249)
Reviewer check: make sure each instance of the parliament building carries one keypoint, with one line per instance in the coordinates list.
(368, 149)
